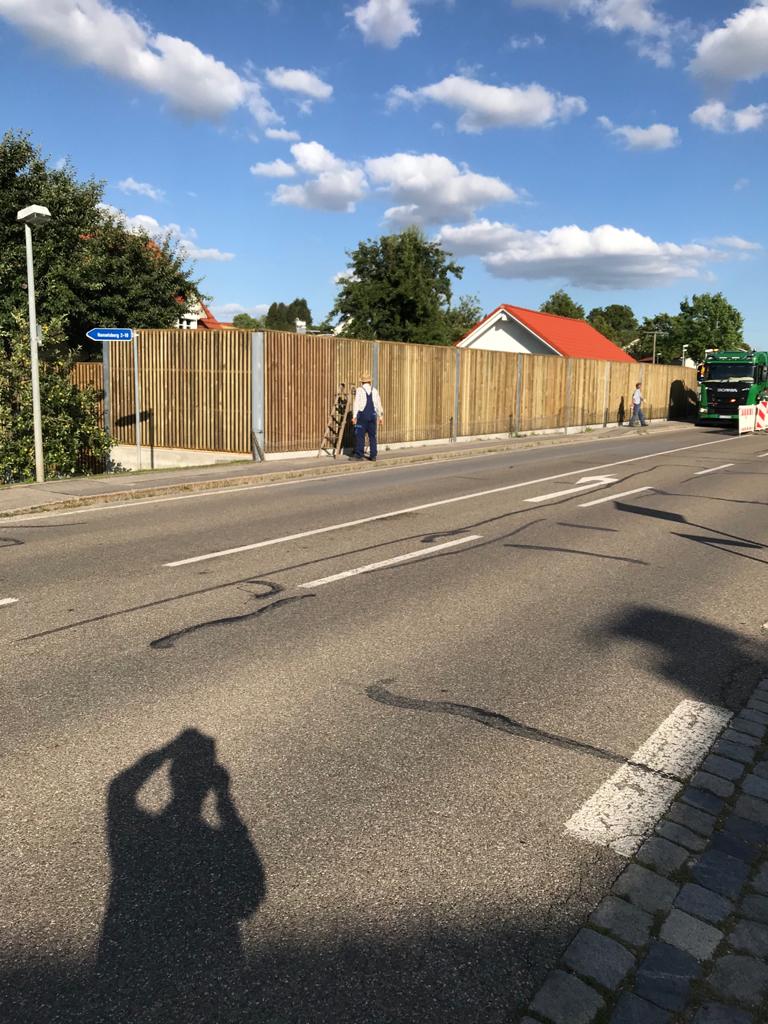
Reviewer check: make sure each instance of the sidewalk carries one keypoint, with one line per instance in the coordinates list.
(683, 936)
(75, 491)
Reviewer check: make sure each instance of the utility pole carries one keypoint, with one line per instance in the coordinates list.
(654, 334)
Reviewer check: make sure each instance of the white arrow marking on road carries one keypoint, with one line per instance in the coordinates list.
(627, 807)
(586, 483)
(9, 600)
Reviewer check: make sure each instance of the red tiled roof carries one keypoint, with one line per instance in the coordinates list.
(575, 339)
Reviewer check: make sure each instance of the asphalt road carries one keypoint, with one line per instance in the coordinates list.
(402, 746)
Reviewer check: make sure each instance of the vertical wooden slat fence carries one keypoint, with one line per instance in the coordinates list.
(197, 389)
(90, 375)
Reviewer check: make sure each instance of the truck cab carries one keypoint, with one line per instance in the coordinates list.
(728, 380)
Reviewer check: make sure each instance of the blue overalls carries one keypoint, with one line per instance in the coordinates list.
(366, 424)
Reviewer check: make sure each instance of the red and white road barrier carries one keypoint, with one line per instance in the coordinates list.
(761, 416)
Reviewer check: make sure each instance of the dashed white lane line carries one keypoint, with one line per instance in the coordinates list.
(9, 600)
(432, 504)
(763, 455)
(613, 497)
(626, 808)
(421, 553)
(714, 469)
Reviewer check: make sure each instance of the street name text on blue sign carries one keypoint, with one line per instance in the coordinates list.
(110, 334)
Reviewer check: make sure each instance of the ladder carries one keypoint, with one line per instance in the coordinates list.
(337, 420)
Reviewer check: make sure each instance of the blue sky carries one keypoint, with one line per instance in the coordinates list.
(616, 148)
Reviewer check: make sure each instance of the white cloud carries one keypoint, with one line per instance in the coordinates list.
(275, 169)
(282, 135)
(652, 32)
(295, 80)
(715, 116)
(655, 136)
(738, 51)
(226, 310)
(740, 184)
(525, 42)
(386, 22)
(187, 240)
(493, 106)
(735, 242)
(604, 257)
(140, 188)
(429, 188)
(336, 186)
(100, 35)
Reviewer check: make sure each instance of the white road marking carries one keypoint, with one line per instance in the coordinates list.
(624, 811)
(9, 600)
(421, 553)
(613, 497)
(763, 455)
(714, 469)
(431, 504)
(587, 483)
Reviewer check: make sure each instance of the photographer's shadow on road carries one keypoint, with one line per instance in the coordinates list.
(170, 945)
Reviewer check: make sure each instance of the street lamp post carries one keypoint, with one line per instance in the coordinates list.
(28, 216)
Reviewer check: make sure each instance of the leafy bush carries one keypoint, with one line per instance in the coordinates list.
(73, 439)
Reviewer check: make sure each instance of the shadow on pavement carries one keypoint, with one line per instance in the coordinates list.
(715, 664)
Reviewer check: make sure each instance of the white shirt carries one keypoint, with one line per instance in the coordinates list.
(361, 397)
(637, 398)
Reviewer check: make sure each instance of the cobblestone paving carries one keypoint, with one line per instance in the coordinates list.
(683, 936)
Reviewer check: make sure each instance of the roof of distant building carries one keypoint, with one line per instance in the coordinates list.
(574, 339)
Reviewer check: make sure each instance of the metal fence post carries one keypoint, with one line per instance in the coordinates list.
(568, 395)
(519, 395)
(106, 387)
(257, 395)
(375, 369)
(137, 397)
(456, 388)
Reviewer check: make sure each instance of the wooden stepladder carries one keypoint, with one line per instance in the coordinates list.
(333, 437)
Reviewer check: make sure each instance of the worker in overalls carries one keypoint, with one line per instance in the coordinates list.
(367, 413)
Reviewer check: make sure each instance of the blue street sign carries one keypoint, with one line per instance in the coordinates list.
(110, 334)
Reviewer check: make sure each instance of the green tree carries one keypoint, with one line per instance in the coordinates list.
(462, 317)
(560, 303)
(616, 322)
(246, 322)
(666, 329)
(73, 440)
(398, 287)
(89, 269)
(709, 321)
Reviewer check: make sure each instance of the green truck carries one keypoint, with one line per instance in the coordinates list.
(728, 380)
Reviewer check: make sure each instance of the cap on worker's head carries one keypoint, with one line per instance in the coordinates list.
(365, 379)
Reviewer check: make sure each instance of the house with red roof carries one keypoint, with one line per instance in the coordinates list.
(198, 317)
(514, 329)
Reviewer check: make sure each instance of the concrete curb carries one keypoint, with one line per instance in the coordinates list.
(280, 475)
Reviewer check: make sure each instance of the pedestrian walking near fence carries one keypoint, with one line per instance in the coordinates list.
(367, 413)
(637, 407)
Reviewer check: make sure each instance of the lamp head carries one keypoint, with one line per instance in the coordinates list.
(34, 215)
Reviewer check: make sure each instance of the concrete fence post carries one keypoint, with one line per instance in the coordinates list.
(257, 395)
(106, 387)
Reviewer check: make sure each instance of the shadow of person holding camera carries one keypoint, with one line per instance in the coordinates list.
(170, 945)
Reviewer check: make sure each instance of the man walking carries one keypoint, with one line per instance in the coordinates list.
(367, 412)
(637, 407)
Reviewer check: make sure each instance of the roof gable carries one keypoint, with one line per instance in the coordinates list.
(574, 339)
